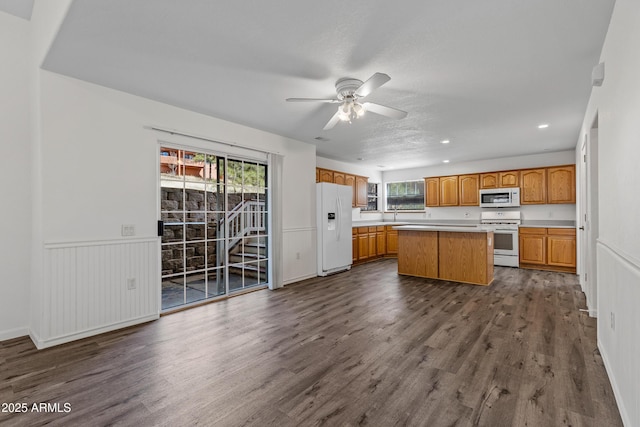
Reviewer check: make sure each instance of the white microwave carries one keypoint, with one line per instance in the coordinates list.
(499, 197)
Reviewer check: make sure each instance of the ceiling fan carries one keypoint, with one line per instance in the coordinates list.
(349, 92)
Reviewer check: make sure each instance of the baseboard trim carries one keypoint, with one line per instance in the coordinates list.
(10, 334)
(614, 385)
(42, 344)
(299, 278)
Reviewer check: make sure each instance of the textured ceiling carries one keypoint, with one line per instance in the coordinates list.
(482, 74)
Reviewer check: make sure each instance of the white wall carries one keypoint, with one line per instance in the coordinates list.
(15, 215)
(99, 170)
(529, 212)
(617, 105)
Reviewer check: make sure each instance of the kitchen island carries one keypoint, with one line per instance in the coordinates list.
(460, 254)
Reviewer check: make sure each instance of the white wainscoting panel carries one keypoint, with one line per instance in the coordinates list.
(619, 327)
(86, 288)
(299, 250)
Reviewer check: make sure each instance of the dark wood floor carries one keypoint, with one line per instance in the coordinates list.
(365, 347)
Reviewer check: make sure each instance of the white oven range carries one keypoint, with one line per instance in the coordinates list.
(504, 225)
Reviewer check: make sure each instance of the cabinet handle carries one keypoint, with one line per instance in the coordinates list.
(581, 228)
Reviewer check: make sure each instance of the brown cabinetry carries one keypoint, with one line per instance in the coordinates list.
(548, 248)
(537, 186)
(508, 179)
(358, 184)
(373, 242)
(449, 191)
(432, 192)
(489, 180)
(469, 190)
(325, 175)
(533, 186)
(533, 248)
(339, 178)
(561, 184)
(361, 191)
(392, 240)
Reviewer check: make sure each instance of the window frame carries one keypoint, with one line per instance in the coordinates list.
(414, 206)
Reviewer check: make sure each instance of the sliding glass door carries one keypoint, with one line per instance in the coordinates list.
(214, 225)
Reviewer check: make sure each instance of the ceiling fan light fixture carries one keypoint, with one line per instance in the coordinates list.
(358, 109)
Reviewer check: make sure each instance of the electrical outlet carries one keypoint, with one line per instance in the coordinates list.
(131, 283)
(613, 321)
(128, 230)
(466, 214)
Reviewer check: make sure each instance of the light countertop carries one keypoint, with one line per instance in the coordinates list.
(459, 229)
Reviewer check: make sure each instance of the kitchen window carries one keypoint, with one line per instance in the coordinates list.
(405, 195)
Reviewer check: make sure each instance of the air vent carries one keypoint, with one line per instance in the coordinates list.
(321, 139)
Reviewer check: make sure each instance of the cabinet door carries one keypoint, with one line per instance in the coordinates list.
(392, 241)
(533, 248)
(373, 247)
(561, 247)
(561, 184)
(449, 191)
(354, 245)
(469, 190)
(489, 180)
(361, 191)
(432, 191)
(363, 246)
(351, 180)
(339, 177)
(533, 186)
(326, 175)
(381, 243)
(508, 179)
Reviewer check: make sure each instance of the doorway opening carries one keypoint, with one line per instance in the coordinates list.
(214, 216)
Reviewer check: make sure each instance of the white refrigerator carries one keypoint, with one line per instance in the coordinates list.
(333, 218)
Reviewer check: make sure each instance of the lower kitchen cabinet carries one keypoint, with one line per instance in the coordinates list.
(373, 242)
(548, 248)
(392, 241)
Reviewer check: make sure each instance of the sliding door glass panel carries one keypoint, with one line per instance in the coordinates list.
(214, 211)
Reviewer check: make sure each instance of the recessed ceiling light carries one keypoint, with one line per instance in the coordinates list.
(445, 141)
(445, 161)
(381, 166)
(543, 126)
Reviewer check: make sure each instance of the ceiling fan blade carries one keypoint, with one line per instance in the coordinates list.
(329, 101)
(374, 82)
(332, 121)
(383, 110)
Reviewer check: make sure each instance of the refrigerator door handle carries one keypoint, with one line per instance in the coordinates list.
(339, 216)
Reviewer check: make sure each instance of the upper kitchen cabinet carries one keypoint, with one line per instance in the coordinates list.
(469, 190)
(533, 186)
(508, 179)
(350, 180)
(489, 180)
(339, 178)
(325, 175)
(561, 185)
(361, 191)
(432, 192)
(358, 184)
(449, 191)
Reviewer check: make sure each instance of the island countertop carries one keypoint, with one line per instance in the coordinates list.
(452, 228)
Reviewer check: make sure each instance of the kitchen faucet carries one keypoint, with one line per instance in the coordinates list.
(395, 213)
